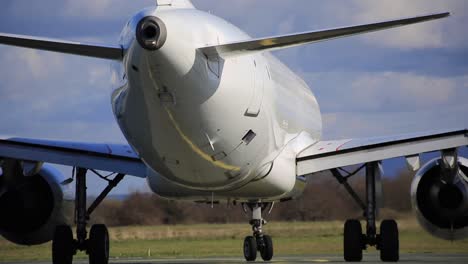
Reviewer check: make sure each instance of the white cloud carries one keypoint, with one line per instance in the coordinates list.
(102, 9)
(407, 90)
(47, 81)
(436, 34)
(99, 73)
(39, 66)
(90, 8)
(363, 104)
(286, 26)
(371, 124)
(26, 67)
(386, 91)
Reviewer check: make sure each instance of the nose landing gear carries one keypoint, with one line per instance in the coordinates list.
(258, 242)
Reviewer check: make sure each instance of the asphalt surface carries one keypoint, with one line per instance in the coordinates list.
(368, 258)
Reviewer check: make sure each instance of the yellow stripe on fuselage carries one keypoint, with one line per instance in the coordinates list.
(197, 150)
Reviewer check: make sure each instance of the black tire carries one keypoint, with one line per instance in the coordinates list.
(63, 245)
(250, 248)
(352, 242)
(98, 245)
(389, 242)
(267, 250)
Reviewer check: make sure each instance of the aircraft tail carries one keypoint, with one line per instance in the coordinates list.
(286, 41)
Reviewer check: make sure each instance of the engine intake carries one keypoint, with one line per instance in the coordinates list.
(31, 209)
(442, 207)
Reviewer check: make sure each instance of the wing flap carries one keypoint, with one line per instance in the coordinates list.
(280, 42)
(106, 157)
(68, 47)
(327, 155)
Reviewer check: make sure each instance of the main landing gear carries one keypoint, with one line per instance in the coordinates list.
(96, 245)
(354, 239)
(258, 241)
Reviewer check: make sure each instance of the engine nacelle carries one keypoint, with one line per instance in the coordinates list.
(441, 208)
(31, 210)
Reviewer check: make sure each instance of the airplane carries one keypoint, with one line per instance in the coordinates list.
(210, 115)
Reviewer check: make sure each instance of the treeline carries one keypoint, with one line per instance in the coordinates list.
(323, 199)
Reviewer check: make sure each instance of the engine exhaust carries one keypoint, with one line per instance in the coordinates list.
(151, 33)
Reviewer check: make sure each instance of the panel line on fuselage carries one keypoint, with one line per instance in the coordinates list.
(196, 149)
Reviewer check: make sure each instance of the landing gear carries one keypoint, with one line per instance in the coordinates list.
(259, 241)
(250, 248)
(354, 240)
(63, 245)
(267, 251)
(388, 243)
(97, 244)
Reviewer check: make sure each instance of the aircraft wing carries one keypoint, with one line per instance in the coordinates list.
(286, 41)
(69, 47)
(107, 157)
(326, 155)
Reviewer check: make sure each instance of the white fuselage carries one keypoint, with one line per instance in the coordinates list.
(229, 129)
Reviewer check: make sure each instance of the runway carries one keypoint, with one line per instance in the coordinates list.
(368, 258)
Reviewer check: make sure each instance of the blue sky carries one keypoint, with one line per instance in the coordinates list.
(397, 81)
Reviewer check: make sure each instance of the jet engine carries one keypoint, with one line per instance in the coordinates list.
(31, 206)
(439, 195)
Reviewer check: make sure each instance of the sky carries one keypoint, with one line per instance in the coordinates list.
(397, 81)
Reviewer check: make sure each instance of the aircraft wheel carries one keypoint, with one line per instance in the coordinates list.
(250, 248)
(389, 244)
(63, 245)
(267, 250)
(352, 240)
(98, 245)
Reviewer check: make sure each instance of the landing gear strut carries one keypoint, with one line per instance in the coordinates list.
(258, 241)
(354, 240)
(64, 247)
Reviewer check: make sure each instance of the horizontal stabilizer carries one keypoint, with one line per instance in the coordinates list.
(280, 42)
(68, 47)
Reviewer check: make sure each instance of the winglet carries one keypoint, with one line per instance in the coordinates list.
(285, 41)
